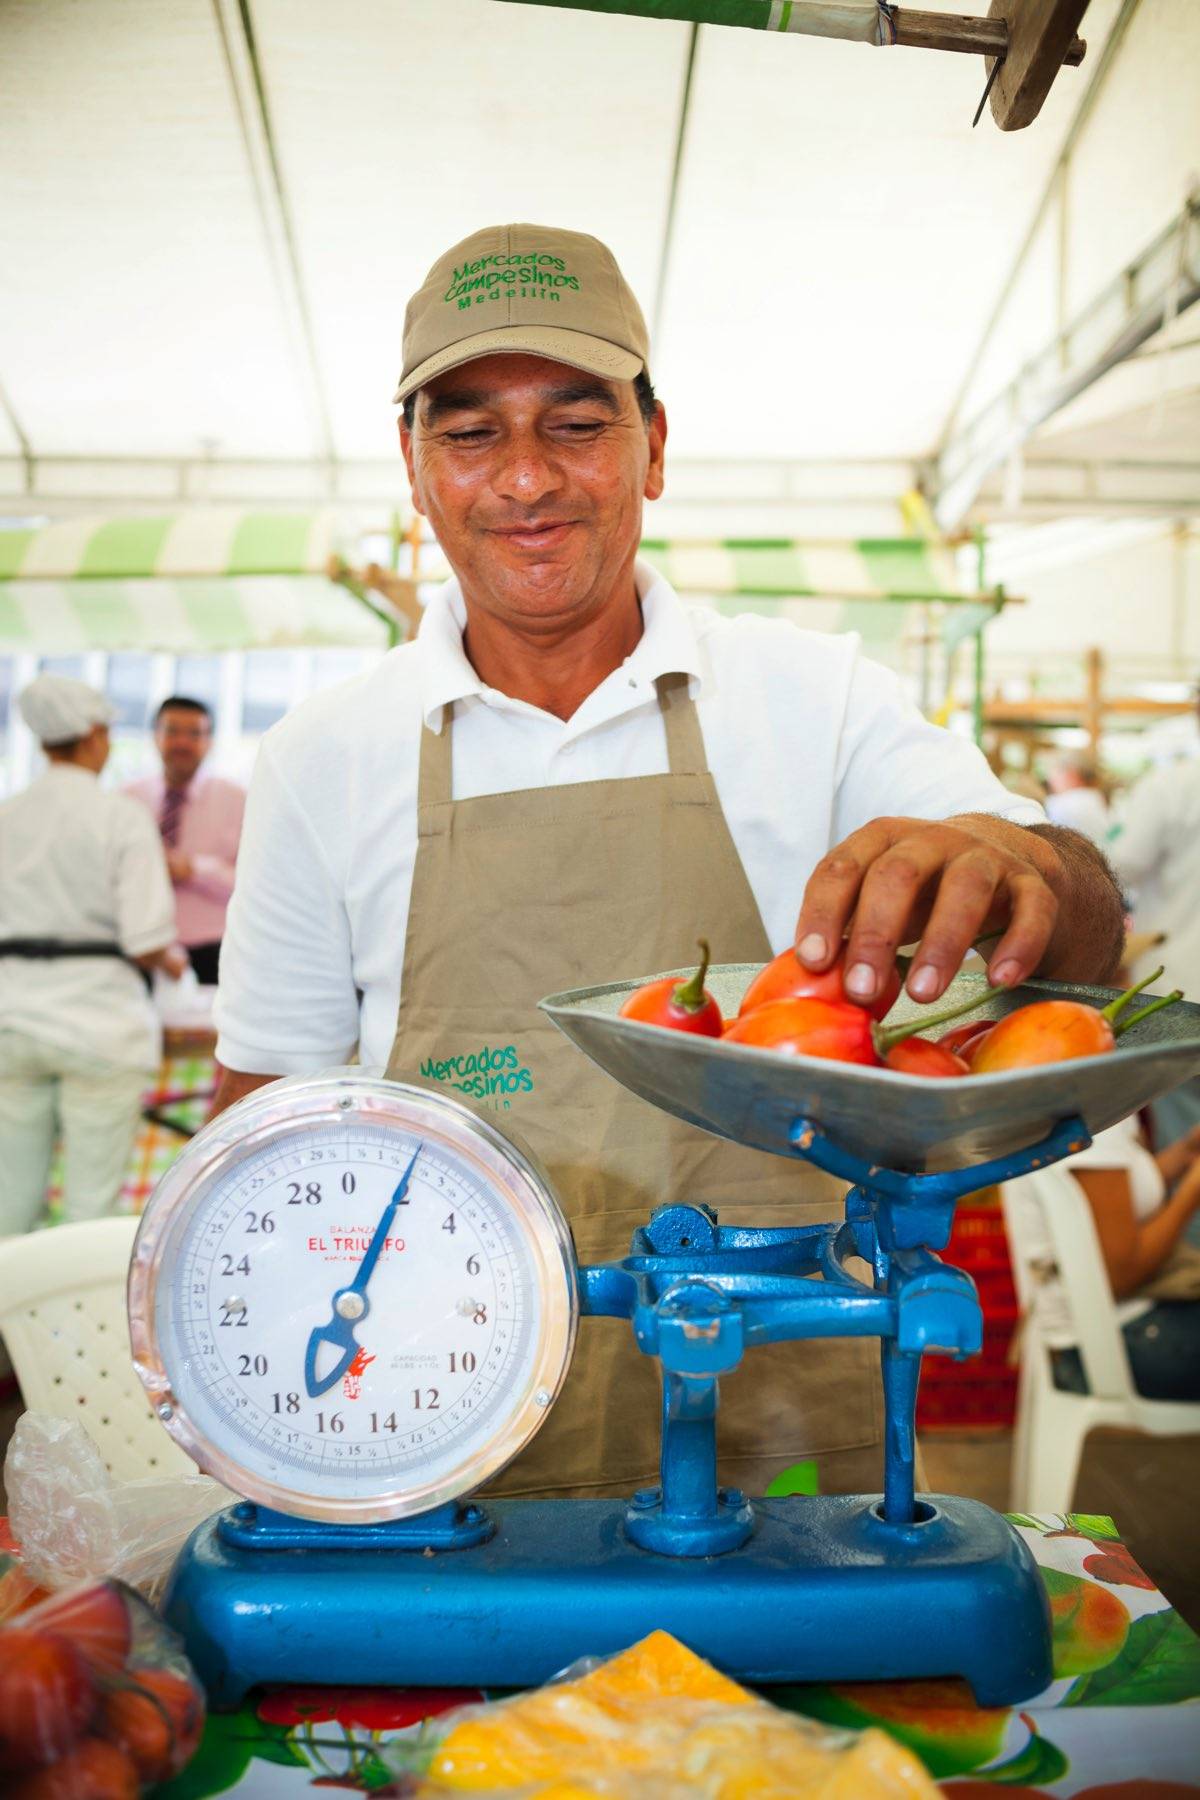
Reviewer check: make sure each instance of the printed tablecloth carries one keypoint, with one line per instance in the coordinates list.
(1120, 1721)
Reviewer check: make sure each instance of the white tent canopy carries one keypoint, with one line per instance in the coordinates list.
(211, 229)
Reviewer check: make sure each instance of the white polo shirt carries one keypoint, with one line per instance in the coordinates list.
(82, 865)
(806, 741)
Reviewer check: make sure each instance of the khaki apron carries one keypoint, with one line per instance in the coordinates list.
(519, 895)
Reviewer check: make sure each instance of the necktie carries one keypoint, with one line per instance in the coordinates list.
(171, 815)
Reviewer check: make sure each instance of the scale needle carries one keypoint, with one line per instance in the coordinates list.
(350, 1304)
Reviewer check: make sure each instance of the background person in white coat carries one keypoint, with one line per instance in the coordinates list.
(1075, 797)
(1154, 847)
(85, 906)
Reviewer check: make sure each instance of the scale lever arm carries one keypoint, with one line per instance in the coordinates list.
(350, 1303)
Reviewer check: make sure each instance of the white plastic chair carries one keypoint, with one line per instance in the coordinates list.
(1052, 1424)
(63, 1319)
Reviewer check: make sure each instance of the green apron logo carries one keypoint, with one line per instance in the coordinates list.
(487, 1074)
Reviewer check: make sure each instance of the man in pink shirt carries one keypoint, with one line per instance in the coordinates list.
(200, 818)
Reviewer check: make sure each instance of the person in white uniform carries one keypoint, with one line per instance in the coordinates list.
(85, 906)
(1154, 846)
(1075, 797)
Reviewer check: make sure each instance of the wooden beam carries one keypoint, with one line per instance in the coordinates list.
(398, 589)
(1040, 33)
(962, 32)
(1029, 713)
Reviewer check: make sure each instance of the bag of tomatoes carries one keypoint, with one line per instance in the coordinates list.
(97, 1701)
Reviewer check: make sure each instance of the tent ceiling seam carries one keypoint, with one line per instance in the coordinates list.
(668, 236)
(281, 241)
(18, 431)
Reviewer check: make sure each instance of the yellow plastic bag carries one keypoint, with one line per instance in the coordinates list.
(659, 1723)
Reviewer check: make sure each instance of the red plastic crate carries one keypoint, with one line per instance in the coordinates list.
(980, 1391)
(988, 1402)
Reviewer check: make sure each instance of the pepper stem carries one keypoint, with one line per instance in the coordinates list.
(1154, 1006)
(690, 993)
(887, 1040)
(1122, 1000)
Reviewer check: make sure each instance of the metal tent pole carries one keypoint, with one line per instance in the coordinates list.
(857, 21)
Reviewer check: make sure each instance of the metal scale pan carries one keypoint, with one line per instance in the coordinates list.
(901, 1122)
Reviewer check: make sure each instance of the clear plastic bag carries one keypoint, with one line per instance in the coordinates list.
(652, 1723)
(96, 1698)
(74, 1522)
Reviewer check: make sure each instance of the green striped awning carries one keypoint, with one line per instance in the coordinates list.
(887, 569)
(214, 578)
(215, 540)
(859, 579)
(205, 613)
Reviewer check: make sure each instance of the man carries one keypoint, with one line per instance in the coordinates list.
(1155, 848)
(84, 897)
(200, 818)
(566, 779)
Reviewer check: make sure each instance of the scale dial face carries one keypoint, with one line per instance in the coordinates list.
(351, 1299)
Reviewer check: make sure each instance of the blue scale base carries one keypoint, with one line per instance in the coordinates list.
(823, 1590)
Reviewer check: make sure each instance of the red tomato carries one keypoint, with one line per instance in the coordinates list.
(96, 1619)
(786, 978)
(94, 1768)
(46, 1696)
(808, 1027)
(958, 1035)
(920, 1056)
(179, 1701)
(1049, 1031)
(139, 1727)
(679, 1005)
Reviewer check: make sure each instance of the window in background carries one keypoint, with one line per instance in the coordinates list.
(130, 674)
(268, 688)
(248, 692)
(72, 666)
(199, 678)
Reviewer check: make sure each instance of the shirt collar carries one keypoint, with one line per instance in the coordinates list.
(667, 645)
(192, 787)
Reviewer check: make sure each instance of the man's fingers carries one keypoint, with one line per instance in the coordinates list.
(891, 890)
(884, 879)
(1030, 928)
(965, 898)
(832, 891)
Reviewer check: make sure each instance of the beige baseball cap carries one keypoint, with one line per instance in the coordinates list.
(524, 288)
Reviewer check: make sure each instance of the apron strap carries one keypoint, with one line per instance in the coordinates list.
(685, 743)
(435, 768)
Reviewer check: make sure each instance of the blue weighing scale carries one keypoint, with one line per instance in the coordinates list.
(354, 1301)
